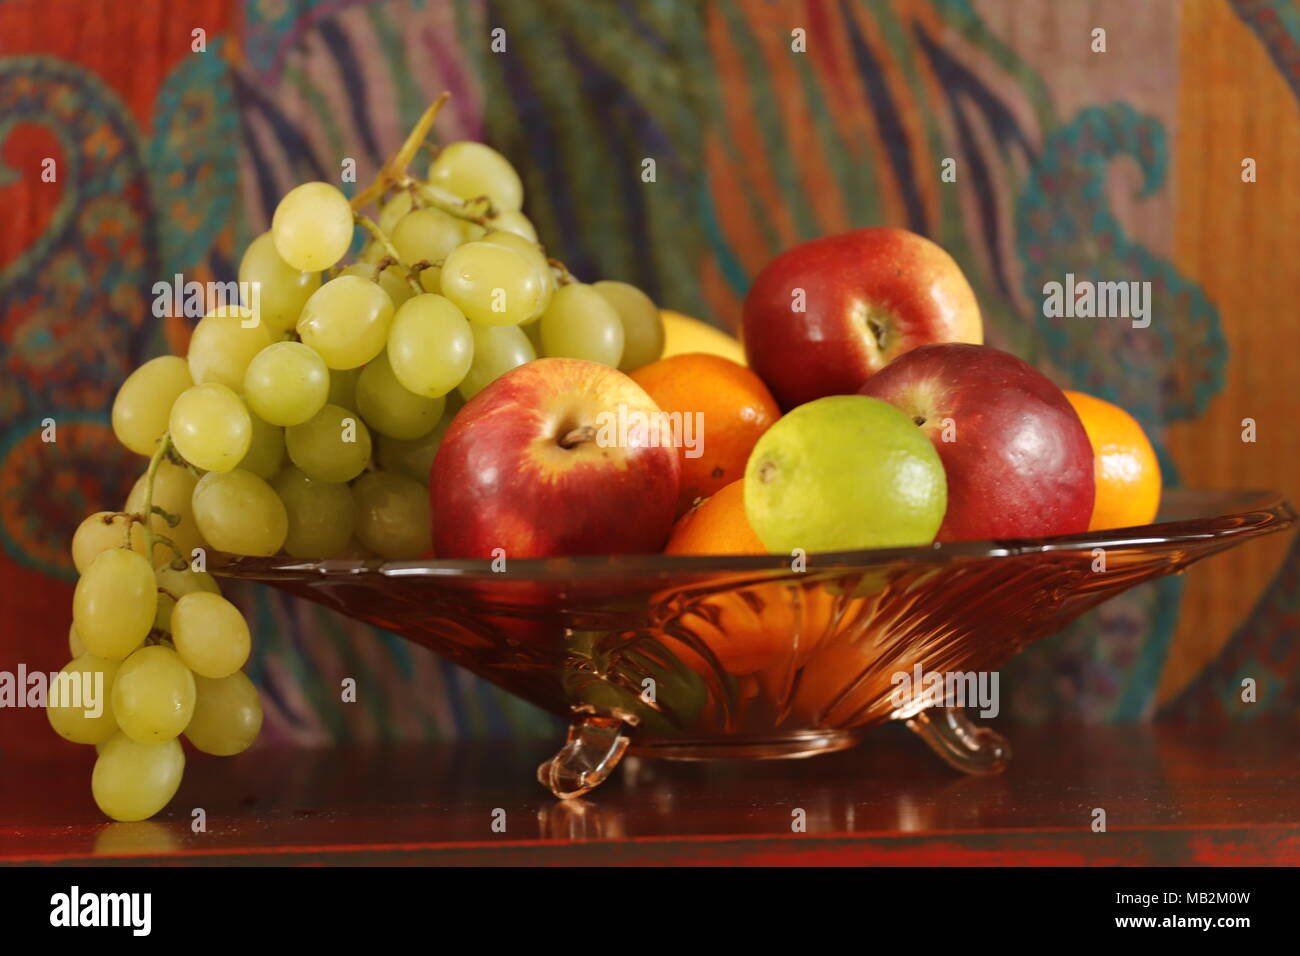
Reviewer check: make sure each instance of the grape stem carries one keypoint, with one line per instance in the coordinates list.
(381, 237)
(130, 519)
(464, 210)
(562, 273)
(395, 168)
(393, 175)
(150, 538)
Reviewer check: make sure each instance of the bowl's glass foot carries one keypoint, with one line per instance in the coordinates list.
(960, 743)
(595, 745)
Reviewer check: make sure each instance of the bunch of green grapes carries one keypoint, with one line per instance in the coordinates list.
(305, 421)
(154, 638)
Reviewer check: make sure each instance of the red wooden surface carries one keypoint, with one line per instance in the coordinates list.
(1172, 795)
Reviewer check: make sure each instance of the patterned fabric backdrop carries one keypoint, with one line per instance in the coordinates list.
(1122, 164)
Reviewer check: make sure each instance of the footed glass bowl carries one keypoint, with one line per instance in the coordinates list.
(697, 658)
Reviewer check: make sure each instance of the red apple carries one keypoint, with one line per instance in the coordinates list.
(537, 465)
(866, 296)
(1018, 460)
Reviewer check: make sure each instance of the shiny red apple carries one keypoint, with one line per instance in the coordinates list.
(555, 457)
(823, 317)
(1018, 461)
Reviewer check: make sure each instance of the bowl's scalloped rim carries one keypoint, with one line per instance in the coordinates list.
(1258, 512)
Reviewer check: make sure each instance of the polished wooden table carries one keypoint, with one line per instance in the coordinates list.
(1171, 795)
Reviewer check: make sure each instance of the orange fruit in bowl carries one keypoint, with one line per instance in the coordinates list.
(716, 525)
(725, 622)
(1125, 466)
(760, 628)
(725, 408)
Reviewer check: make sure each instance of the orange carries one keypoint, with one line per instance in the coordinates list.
(757, 630)
(755, 627)
(724, 408)
(724, 622)
(716, 525)
(1127, 472)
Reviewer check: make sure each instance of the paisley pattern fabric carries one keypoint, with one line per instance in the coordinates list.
(171, 162)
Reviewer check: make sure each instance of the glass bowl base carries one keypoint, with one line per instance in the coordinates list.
(774, 747)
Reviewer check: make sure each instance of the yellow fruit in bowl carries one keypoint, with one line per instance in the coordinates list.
(684, 334)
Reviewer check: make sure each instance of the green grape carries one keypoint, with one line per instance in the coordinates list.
(497, 349)
(392, 211)
(177, 584)
(579, 323)
(643, 326)
(282, 290)
(312, 226)
(494, 284)
(98, 533)
(162, 614)
(286, 383)
(343, 388)
(392, 280)
(511, 220)
(333, 445)
(370, 254)
(132, 780)
(153, 695)
(221, 346)
(84, 684)
(426, 235)
(144, 402)
(320, 514)
(469, 170)
(265, 449)
(173, 488)
(533, 253)
(346, 320)
(74, 642)
(430, 346)
(210, 634)
(114, 603)
(238, 512)
(392, 515)
(412, 458)
(534, 332)
(431, 280)
(391, 409)
(210, 427)
(521, 244)
(227, 715)
(184, 581)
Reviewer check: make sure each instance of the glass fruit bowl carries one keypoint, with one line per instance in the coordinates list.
(695, 657)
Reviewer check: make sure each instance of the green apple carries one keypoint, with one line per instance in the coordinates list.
(842, 473)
